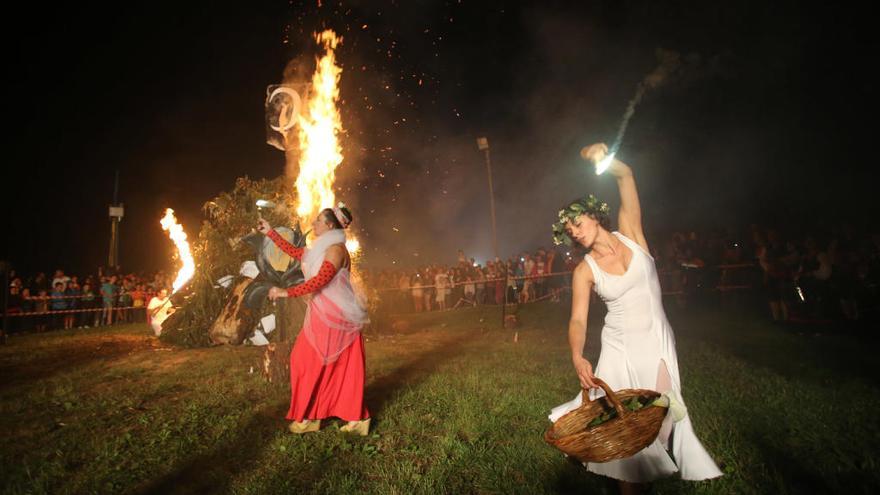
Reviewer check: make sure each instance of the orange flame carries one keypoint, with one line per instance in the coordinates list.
(319, 131)
(175, 231)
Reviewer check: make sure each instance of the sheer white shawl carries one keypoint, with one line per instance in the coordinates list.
(335, 314)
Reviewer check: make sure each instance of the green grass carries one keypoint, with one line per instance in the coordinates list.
(458, 408)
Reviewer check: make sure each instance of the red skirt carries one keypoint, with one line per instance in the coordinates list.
(319, 391)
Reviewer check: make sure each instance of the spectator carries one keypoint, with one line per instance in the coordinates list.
(470, 291)
(27, 306)
(540, 271)
(124, 301)
(41, 283)
(89, 304)
(441, 285)
(776, 276)
(42, 307)
(510, 290)
(556, 265)
(428, 293)
(58, 303)
(500, 272)
(456, 279)
(108, 297)
(480, 285)
(528, 285)
(813, 279)
(159, 310)
(61, 278)
(138, 303)
(417, 293)
(72, 293)
(13, 304)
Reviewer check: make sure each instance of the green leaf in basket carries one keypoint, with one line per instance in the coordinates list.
(605, 416)
(634, 405)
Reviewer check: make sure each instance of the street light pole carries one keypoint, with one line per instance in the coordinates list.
(483, 145)
(117, 211)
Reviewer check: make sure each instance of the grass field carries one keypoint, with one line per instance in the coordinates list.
(458, 407)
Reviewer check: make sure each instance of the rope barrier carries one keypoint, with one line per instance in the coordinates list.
(548, 275)
(72, 311)
(491, 285)
(94, 297)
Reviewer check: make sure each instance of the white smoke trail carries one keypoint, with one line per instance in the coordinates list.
(669, 63)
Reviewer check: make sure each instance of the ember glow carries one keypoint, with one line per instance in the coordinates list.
(176, 233)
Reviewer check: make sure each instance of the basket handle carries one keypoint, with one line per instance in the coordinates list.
(609, 395)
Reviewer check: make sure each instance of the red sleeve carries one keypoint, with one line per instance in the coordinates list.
(285, 246)
(323, 277)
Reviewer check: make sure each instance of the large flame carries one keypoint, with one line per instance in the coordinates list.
(319, 131)
(175, 231)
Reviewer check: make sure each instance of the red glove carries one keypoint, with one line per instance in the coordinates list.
(290, 249)
(322, 278)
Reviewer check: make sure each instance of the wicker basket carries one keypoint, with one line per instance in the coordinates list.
(619, 437)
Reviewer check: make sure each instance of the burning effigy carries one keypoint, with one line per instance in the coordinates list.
(225, 302)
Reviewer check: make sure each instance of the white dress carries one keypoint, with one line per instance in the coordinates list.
(636, 340)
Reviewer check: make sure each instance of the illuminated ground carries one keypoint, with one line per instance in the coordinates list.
(458, 407)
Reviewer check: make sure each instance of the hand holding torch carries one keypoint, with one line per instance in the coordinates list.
(599, 155)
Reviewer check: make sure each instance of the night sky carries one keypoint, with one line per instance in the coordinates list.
(769, 119)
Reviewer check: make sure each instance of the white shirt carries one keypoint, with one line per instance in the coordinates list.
(158, 308)
(62, 280)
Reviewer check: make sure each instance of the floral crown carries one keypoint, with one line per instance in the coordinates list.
(589, 205)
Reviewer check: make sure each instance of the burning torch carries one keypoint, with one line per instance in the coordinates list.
(603, 163)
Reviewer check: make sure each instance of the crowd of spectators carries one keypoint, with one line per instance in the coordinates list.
(63, 301)
(798, 276)
(528, 277)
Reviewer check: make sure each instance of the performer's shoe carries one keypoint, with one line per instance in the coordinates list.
(361, 427)
(306, 426)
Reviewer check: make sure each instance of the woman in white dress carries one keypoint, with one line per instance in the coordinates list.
(638, 346)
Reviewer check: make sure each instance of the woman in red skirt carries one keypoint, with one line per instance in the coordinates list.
(327, 360)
